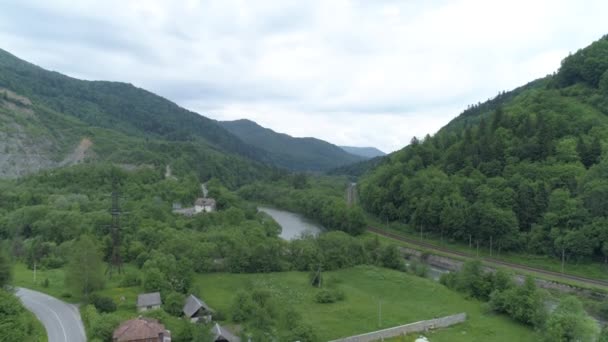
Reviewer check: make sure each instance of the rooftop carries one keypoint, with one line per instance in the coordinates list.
(140, 329)
(149, 299)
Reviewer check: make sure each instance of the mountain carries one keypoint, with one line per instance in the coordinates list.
(49, 120)
(365, 152)
(526, 170)
(300, 154)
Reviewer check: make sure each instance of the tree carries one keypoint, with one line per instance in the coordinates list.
(5, 270)
(12, 318)
(173, 303)
(523, 303)
(84, 272)
(570, 322)
(154, 280)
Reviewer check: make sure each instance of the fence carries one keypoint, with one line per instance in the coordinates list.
(406, 329)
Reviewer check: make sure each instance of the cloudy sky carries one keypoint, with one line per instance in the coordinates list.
(361, 73)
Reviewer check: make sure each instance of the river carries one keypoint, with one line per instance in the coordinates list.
(293, 225)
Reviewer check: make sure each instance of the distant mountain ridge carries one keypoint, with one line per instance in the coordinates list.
(300, 154)
(366, 152)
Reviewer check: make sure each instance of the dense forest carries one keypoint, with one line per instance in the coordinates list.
(524, 171)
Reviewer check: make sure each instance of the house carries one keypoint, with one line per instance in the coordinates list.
(204, 205)
(195, 310)
(148, 301)
(220, 334)
(141, 330)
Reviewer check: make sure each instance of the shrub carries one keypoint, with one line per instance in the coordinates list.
(329, 296)
(219, 316)
(130, 279)
(45, 283)
(418, 268)
(174, 303)
(102, 303)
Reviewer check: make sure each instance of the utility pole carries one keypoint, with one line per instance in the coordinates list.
(115, 259)
(478, 248)
(563, 258)
(379, 313)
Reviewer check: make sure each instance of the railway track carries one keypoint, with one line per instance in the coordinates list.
(430, 246)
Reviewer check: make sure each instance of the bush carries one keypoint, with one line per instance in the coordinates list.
(418, 268)
(329, 296)
(174, 303)
(130, 279)
(219, 316)
(102, 303)
(103, 327)
(46, 283)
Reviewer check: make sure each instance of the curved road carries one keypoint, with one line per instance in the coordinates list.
(61, 320)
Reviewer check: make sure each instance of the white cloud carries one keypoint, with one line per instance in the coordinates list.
(350, 72)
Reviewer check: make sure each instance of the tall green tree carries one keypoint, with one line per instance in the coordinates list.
(5, 270)
(84, 273)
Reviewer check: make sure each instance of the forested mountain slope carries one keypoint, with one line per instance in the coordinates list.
(49, 120)
(115, 105)
(302, 154)
(527, 170)
(366, 152)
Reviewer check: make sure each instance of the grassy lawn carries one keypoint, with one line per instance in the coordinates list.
(24, 277)
(403, 299)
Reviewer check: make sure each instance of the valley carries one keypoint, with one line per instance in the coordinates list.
(133, 207)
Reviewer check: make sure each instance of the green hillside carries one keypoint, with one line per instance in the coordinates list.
(524, 171)
(49, 120)
(365, 152)
(119, 106)
(301, 154)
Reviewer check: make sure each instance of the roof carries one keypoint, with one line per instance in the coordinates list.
(220, 333)
(193, 304)
(139, 329)
(149, 299)
(204, 201)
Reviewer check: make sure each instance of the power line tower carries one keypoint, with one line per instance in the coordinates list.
(115, 259)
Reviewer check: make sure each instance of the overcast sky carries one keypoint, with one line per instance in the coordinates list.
(361, 73)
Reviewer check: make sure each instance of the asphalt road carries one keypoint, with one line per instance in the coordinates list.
(61, 320)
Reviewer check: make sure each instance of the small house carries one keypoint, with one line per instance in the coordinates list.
(148, 301)
(197, 310)
(206, 205)
(141, 329)
(221, 334)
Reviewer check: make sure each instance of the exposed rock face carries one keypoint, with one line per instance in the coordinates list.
(24, 146)
(21, 152)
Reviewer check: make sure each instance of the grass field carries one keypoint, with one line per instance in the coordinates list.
(24, 277)
(403, 298)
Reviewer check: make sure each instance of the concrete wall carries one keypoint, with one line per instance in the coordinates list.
(407, 329)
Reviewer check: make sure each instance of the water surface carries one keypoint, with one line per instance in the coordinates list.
(293, 225)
